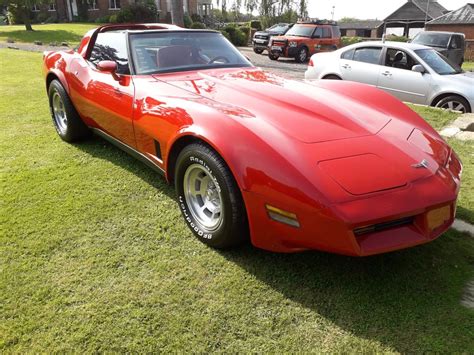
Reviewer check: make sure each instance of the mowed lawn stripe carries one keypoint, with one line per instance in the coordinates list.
(95, 256)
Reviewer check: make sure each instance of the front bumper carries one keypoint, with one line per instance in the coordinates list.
(335, 228)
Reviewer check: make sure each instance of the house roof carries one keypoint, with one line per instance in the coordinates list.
(461, 16)
(360, 25)
(418, 10)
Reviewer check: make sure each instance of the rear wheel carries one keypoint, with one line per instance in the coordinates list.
(302, 55)
(454, 103)
(209, 198)
(66, 120)
(258, 50)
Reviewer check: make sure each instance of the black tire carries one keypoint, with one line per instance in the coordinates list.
(233, 227)
(454, 102)
(302, 55)
(273, 56)
(258, 50)
(332, 77)
(70, 129)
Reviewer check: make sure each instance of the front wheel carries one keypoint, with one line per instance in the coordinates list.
(273, 56)
(454, 103)
(209, 198)
(66, 120)
(258, 50)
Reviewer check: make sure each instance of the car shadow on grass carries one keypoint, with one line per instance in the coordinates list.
(408, 300)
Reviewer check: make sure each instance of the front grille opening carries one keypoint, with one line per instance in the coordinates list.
(383, 226)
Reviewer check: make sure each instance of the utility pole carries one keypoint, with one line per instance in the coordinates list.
(332, 12)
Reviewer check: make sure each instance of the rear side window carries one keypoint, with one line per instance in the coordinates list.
(111, 46)
(326, 32)
(348, 54)
(336, 32)
(367, 55)
(456, 42)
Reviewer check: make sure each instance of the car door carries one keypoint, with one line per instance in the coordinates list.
(361, 64)
(397, 77)
(104, 98)
(456, 49)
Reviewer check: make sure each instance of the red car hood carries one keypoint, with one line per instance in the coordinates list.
(303, 111)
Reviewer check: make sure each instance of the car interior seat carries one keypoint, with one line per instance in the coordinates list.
(398, 61)
(174, 56)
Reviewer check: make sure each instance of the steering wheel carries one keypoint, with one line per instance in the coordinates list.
(219, 58)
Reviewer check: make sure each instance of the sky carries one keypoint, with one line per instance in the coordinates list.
(365, 9)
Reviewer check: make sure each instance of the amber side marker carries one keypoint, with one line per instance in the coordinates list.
(282, 216)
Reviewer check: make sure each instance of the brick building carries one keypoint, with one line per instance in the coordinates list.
(362, 28)
(67, 10)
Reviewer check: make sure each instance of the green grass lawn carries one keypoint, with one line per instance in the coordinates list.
(56, 32)
(468, 66)
(94, 256)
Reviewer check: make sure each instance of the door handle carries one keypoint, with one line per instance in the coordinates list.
(346, 66)
(386, 73)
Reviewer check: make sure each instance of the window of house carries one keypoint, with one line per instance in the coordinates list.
(111, 46)
(92, 5)
(114, 4)
(52, 6)
(35, 8)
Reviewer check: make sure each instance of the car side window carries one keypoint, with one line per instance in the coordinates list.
(326, 32)
(318, 33)
(348, 54)
(111, 46)
(396, 58)
(456, 42)
(369, 55)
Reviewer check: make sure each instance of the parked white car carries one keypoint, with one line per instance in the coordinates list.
(411, 72)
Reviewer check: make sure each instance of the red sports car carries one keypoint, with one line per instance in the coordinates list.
(329, 165)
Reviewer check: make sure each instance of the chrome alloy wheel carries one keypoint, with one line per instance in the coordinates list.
(59, 112)
(453, 105)
(203, 197)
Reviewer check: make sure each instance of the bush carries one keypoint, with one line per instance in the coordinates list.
(350, 40)
(225, 34)
(256, 24)
(236, 36)
(188, 22)
(196, 18)
(103, 19)
(135, 13)
(396, 38)
(198, 25)
(42, 17)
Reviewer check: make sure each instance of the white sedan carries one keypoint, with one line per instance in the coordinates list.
(411, 72)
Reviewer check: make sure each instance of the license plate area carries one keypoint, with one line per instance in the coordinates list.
(437, 217)
(277, 48)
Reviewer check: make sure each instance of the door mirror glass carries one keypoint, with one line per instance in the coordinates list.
(418, 68)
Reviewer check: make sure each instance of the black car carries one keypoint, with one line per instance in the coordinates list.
(449, 44)
(261, 38)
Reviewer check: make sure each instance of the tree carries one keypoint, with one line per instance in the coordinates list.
(177, 13)
(19, 10)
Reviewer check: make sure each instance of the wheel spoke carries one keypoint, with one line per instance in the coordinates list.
(459, 107)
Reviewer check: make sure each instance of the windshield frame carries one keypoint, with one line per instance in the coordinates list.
(457, 69)
(132, 58)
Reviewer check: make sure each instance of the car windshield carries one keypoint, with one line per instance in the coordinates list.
(438, 62)
(164, 52)
(432, 39)
(278, 28)
(300, 31)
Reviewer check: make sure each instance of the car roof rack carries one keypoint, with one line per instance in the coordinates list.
(317, 22)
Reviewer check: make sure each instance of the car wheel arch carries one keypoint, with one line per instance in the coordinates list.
(52, 75)
(440, 97)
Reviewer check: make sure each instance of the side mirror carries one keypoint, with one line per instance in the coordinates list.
(107, 66)
(418, 69)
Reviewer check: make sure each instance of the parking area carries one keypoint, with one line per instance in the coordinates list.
(285, 67)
